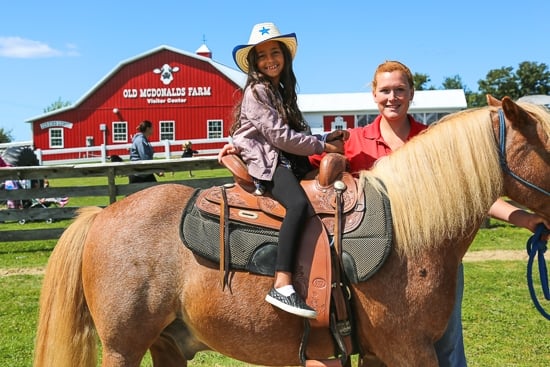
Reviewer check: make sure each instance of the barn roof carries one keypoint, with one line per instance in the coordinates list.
(424, 100)
(234, 75)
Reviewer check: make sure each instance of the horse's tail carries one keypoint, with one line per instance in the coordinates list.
(66, 335)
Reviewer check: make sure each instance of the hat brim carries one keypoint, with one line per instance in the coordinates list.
(240, 53)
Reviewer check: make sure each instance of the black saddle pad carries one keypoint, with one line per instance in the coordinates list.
(254, 249)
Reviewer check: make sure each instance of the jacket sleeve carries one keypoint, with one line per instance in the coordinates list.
(265, 118)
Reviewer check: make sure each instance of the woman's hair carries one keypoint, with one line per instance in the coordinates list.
(288, 106)
(390, 66)
(144, 125)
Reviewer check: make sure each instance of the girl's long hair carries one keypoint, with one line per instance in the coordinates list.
(287, 104)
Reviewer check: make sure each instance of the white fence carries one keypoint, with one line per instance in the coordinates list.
(101, 153)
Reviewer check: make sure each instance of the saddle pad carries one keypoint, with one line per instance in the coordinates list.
(254, 249)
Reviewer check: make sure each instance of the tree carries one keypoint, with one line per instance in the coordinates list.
(500, 83)
(533, 78)
(57, 105)
(5, 136)
(420, 80)
(454, 82)
(475, 99)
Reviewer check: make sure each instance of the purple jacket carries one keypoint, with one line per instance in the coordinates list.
(263, 135)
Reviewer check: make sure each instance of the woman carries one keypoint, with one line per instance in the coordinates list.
(393, 92)
(141, 150)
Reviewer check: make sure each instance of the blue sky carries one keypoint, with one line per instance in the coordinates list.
(51, 50)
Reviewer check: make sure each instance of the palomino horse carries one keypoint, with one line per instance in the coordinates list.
(122, 273)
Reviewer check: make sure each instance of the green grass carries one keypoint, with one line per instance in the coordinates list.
(501, 325)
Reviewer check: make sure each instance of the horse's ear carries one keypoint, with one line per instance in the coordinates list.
(492, 101)
(517, 115)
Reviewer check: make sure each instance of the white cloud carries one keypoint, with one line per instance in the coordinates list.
(17, 47)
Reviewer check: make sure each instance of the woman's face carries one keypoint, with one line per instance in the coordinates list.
(393, 95)
(148, 131)
(270, 60)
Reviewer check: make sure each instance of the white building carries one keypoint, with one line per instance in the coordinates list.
(326, 112)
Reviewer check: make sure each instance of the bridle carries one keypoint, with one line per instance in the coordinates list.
(502, 156)
(536, 246)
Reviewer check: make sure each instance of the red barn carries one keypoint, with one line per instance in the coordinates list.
(186, 96)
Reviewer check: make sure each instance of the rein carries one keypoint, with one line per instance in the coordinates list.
(502, 154)
(537, 246)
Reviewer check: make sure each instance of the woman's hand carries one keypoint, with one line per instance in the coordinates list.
(342, 135)
(505, 211)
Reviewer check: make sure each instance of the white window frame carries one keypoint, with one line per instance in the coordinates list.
(172, 133)
(338, 124)
(117, 136)
(61, 138)
(213, 131)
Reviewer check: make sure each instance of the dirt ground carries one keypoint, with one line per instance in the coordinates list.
(471, 256)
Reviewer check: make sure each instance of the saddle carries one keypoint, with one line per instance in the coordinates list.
(336, 207)
(264, 211)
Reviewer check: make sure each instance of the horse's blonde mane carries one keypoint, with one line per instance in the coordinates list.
(541, 114)
(441, 181)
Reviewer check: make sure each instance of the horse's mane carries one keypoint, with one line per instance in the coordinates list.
(540, 114)
(441, 181)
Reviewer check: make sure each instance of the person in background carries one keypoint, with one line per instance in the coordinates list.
(270, 134)
(142, 150)
(393, 91)
(188, 152)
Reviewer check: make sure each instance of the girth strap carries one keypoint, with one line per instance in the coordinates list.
(225, 250)
(340, 324)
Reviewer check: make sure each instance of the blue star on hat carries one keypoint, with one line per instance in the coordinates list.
(264, 30)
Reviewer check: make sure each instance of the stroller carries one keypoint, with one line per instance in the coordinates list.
(24, 156)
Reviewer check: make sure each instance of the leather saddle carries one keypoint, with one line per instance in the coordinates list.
(264, 211)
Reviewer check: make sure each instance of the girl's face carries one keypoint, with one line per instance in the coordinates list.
(271, 60)
(393, 95)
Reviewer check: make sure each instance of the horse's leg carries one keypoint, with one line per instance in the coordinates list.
(170, 348)
(132, 272)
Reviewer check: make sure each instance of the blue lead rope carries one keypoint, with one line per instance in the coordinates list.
(537, 247)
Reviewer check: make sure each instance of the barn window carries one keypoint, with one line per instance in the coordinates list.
(215, 129)
(419, 117)
(431, 118)
(56, 138)
(167, 130)
(120, 132)
(364, 120)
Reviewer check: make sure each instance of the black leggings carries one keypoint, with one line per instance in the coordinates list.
(286, 189)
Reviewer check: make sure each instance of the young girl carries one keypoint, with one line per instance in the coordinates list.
(269, 133)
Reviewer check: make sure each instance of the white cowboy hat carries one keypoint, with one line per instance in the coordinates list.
(260, 33)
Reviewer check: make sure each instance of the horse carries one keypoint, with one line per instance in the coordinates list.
(122, 275)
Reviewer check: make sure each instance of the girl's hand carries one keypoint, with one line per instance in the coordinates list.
(227, 149)
(335, 146)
